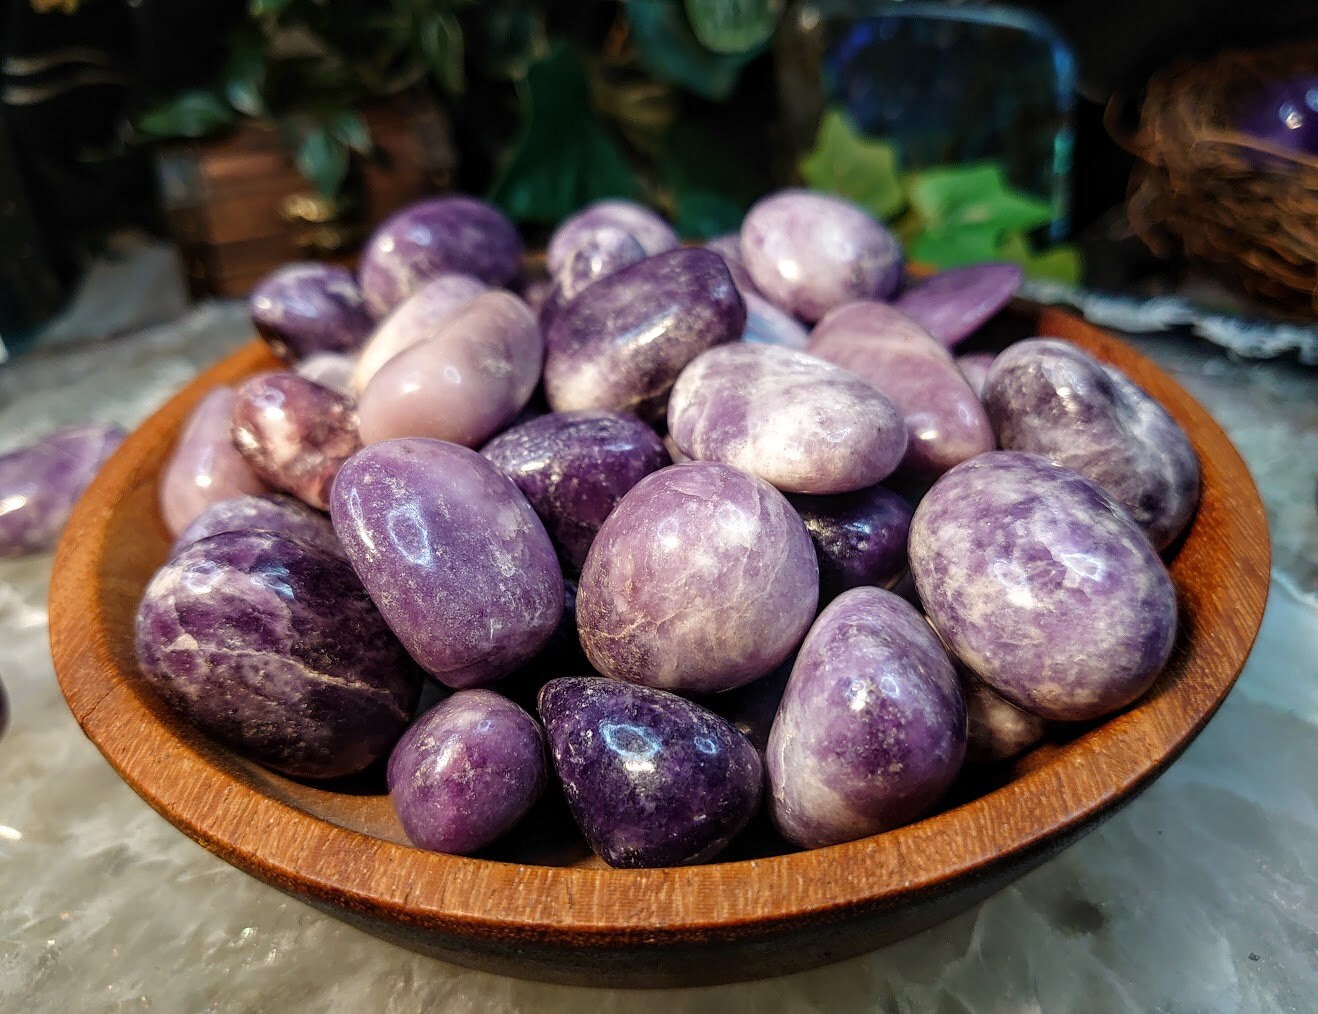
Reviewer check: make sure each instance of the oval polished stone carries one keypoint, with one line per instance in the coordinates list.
(270, 513)
(652, 779)
(954, 304)
(997, 729)
(796, 421)
(204, 466)
(606, 250)
(1042, 585)
(302, 309)
(443, 235)
(809, 252)
(647, 228)
(271, 645)
(294, 433)
(860, 538)
(702, 579)
(465, 383)
(574, 467)
(945, 421)
(1046, 396)
(621, 344)
(975, 368)
(453, 555)
(330, 369)
(467, 772)
(871, 731)
(768, 325)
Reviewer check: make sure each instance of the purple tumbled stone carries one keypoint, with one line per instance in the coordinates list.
(302, 309)
(643, 225)
(607, 250)
(952, 305)
(41, 482)
(728, 246)
(453, 555)
(4, 709)
(702, 579)
(466, 772)
(622, 342)
(652, 779)
(796, 421)
(997, 729)
(1042, 585)
(860, 538)
(768, 325)
(331, 369)
(270, 513)
(271, 645)
(871, 730)
(975, 368)
(574, 467)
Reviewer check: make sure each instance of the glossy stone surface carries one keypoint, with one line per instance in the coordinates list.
(871, 730)
(294, 433)
(944, 419)
(702, 579)
(796, 421)
(768, 325)
(453, 555)
(652, 779)
(1042, 585)
(997, 729)
(1048, 397)
(466, 772)
(647, 228)
(332, 369)
(574, 467)
(271, 646)
(860, 538)
(606, 250)
(272, 512)
(953, 304)
(728, 246)
(809, 252)
(463, 384)
(204, 466)
(621, 343)
(439, 236)
(302, 309)
(975, 368)
(40, 483)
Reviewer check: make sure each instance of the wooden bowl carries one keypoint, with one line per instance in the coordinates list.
(543, 908)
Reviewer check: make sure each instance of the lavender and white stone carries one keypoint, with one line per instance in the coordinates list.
(271, 512)
(702, 579)
(606, 250)
(796, 421)
(648, 229)
(768, 325)
(860, 538)
(728, 246)
(975, 368)
(302, 309)
(871, 731)
(652, 779)
(1042, 585)
(997, 729)
(954, 304)
(330, 369)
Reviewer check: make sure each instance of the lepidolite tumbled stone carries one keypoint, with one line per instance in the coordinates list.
(975, 368)
(871, 730)
(40, 483)
(622, 342)
(574, 467)
(1042, 585)
(953, 304)
(652, 779)
(466, 772)
(728, 246)
(860, 538)
(453, 555)
(580, 230)
(302, 309)
(270, 513)
(607, 250)
(997, 730)
(702, 579)
(800, 423)
(768, 325)
(272, 646)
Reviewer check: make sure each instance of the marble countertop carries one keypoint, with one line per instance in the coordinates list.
(1201, 895)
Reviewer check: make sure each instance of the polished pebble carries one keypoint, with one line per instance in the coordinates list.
(954, 304)
(998, 730)
(332, 369)
(975, 367)
(860, 538)
(643, 225)
(303, 309)
(272, 512)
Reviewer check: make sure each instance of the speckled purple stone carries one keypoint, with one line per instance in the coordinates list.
(975, 368)
(330, 369)
(453, 555)
(1042, 585)
(271, 645)
(872, 728)
(952, 305)
(41, 482)
(466, 772)
(270, 513)
(702, 579)
(997, 729)
(809, 252)
(643, 225)
(442, 235)
(1048, 397)
(606, 250)
(302, 309)
(796, 421)
(860, 538)
(652, 779)
(574, 467)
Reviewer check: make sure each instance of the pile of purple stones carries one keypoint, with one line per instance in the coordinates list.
(684, 531)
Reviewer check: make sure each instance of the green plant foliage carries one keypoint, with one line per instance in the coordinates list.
(976, 194)
(670, 51)
(323, 159)
(846, 163)
(733, 26)
(441, 44)
(189, 114)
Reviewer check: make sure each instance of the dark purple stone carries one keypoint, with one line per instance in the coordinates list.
(4, 709)
(952, 305)
(860, 538)
(652, 779)
(751, 709)
(302, 309)
(271, 512)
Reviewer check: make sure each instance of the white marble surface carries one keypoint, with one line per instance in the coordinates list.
(1202, 895)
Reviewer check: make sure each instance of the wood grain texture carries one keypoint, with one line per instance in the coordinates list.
(543, 912)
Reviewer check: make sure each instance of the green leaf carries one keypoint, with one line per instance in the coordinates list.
(189, 114)
(259, 8)
(955, 247)
(351, 129)
(846, 163)
(323, 159)
(441, 44)
(1059, 263)
(974, 195)
(733, 26)
(671, 52)
(707, 181)
(245, 77)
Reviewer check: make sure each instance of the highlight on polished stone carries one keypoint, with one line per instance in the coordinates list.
(306, 308)
(271, 512)
(860, 538)
(577, 231)
(952, 305)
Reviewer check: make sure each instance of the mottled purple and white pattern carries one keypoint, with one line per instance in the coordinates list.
(273, 512)
(643, 225)
(702, 579)
(860, 538)
(768, 325)
(975, 368)
(953, 305)
(332, 369)
(1042, 585)
(40, 483)
(809, 252)
(271, 646)
(652, 779)
(606, 250)
(453, 555)
(998, 730)
(871, 730)
(302, 309)
(574, 467)
(1048, 397)
(796, 421)
(467, 772)
(728, 246)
